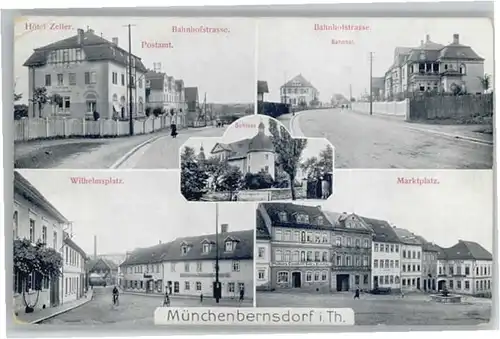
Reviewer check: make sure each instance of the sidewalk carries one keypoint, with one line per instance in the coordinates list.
(40, 315)
(465, 132)
(224, 301)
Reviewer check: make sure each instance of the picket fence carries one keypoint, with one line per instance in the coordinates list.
(47, 128)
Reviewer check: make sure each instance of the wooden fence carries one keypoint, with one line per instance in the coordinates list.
(49, 128)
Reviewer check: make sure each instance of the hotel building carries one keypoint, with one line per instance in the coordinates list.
(90, 74)
(300, 246)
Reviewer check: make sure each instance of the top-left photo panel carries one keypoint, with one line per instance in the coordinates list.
(126, 93)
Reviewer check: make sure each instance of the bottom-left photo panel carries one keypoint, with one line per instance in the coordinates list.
(94, 247)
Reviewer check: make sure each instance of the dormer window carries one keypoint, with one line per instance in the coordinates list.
(283, 216)
(206, 248)
(302, 218)
(228, 246)
(184, 248)
(320, 220)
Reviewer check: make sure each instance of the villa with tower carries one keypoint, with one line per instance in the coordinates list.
(250, 155)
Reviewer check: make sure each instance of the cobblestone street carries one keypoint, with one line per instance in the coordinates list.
(132, 309)
(413, 309)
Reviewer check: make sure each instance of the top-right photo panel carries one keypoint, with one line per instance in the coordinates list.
(412, 93)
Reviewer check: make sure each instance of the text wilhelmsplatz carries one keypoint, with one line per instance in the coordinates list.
(96, 181)
(417, 181)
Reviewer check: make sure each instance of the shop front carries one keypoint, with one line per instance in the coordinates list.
(314, 276)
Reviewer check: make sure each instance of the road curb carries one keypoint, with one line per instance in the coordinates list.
(453, 136)
(60, 312)
(124, 158)
(295, 127)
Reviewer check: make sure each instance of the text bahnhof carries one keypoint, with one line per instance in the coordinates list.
(308, 247)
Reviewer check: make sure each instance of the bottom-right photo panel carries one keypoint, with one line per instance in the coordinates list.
(396, 247)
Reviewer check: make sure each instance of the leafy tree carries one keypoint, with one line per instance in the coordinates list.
(485, 82)
(20, 111)
(326, 159)
(231, 180)
(193, 177)
(258, 180)
(38, 261)
(56, 100)
(302, 104)
(288, 151)
(216, 168)
(157, 111)
(40, 99)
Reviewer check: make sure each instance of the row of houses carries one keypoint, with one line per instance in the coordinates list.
(187, 266)
(91, 74)
(306, 247)
(37, 220)
(431, 66)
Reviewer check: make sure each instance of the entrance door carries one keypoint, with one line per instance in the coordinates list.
(433, 284)
(169, 287)
(296, 279)
(441, 285)
(342, 282)
(54, 292)
(418, 283)
(375, 282)
(176, 287)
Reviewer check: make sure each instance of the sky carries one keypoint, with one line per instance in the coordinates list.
(247, 127)
(459, 207)
(220, 65)
(145, 209)
(288, 47)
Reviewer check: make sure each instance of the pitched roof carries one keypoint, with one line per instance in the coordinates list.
(95, 48)
(300, 80)
(291, 210)
(260, 226)
(156, 80)
(100, 264)
(68, 241)
(458, 51)
(262, 87)
(191, 94)
(428, 246)
(467, 250)
(407, 237)
(23, 187)
(171, 251)
(382, 230)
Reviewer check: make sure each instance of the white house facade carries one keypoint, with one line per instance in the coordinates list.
(73, 272)
(262, 251)
(299, 91)
(36, 219)
(90, 74)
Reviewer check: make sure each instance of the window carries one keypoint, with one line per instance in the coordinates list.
(418, 255)
(277, 235)
(186, 286)
(302, 218)
(381, 263)
(323, 276)
(365, 279)
(172, 267)
(396, 279)
(288, 235)
(467, 285)
(66, 257)
(91, 103)
(198, 286)
(309, 237)
(90, 78)
(320, 220)
(199, 267)
(317, 238)
(392, 264)
(418, 268)
(72, 78)
(303, 236)
(48, 80)
(277, 255)
(206, 248)
(339, 260)
(387, 248)
(303, 256)
(114, 78)
(459, 285)
(295, 256)
(397, 248)
(308, 276)
(60, 80)
(316, 256)
(375, 263)
(325, 256)
(236, 266)
(186, 267)
(282, 216)
(356, 279)
(392, 248)
(348, 260)
(228, 246)
(358, 242)
(262, 252)
(32, 230)
(261, 275)
(357, 260)
(316, 276)
(404, 253)
(366, 243)
(349, 240)
(391, 279)
(325, 238)
(338, 241)
(375, 248)
(396, 263)
(386, 263)
(282, 277)
(381, 248)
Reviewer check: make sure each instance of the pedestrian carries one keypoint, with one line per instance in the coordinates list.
(356, 293)
(96, 115)
(173, 123)
(166, 300)
(242, 294)
(325, 188)
(201, 298)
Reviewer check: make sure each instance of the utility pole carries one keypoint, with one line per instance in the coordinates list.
(217, 288)
(130, 82)
(350, 95)
(371, 83)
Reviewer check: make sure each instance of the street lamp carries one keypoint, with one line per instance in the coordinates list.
(217, 286)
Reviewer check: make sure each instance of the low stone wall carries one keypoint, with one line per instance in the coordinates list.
(394, 108)
(267, 194)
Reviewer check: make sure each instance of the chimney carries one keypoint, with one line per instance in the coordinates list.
(427, 38)
(80, 36)
(224, 228)
(115, 41)
(456, 39)
(157, 66)
(95, 246)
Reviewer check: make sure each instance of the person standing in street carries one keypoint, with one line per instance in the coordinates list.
(356, 293)
(173, 123)
(242, 294)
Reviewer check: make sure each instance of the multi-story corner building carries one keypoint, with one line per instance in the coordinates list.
(465, 268)
(251, 155)
(36, 219)
(386, 256)
(430, 253)
(299, 92)
(434, 67)
(411, 260)
(352, 247)
(90, 74)
(186, 266)
(262, 251)
(74, 275)
(300, 246)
